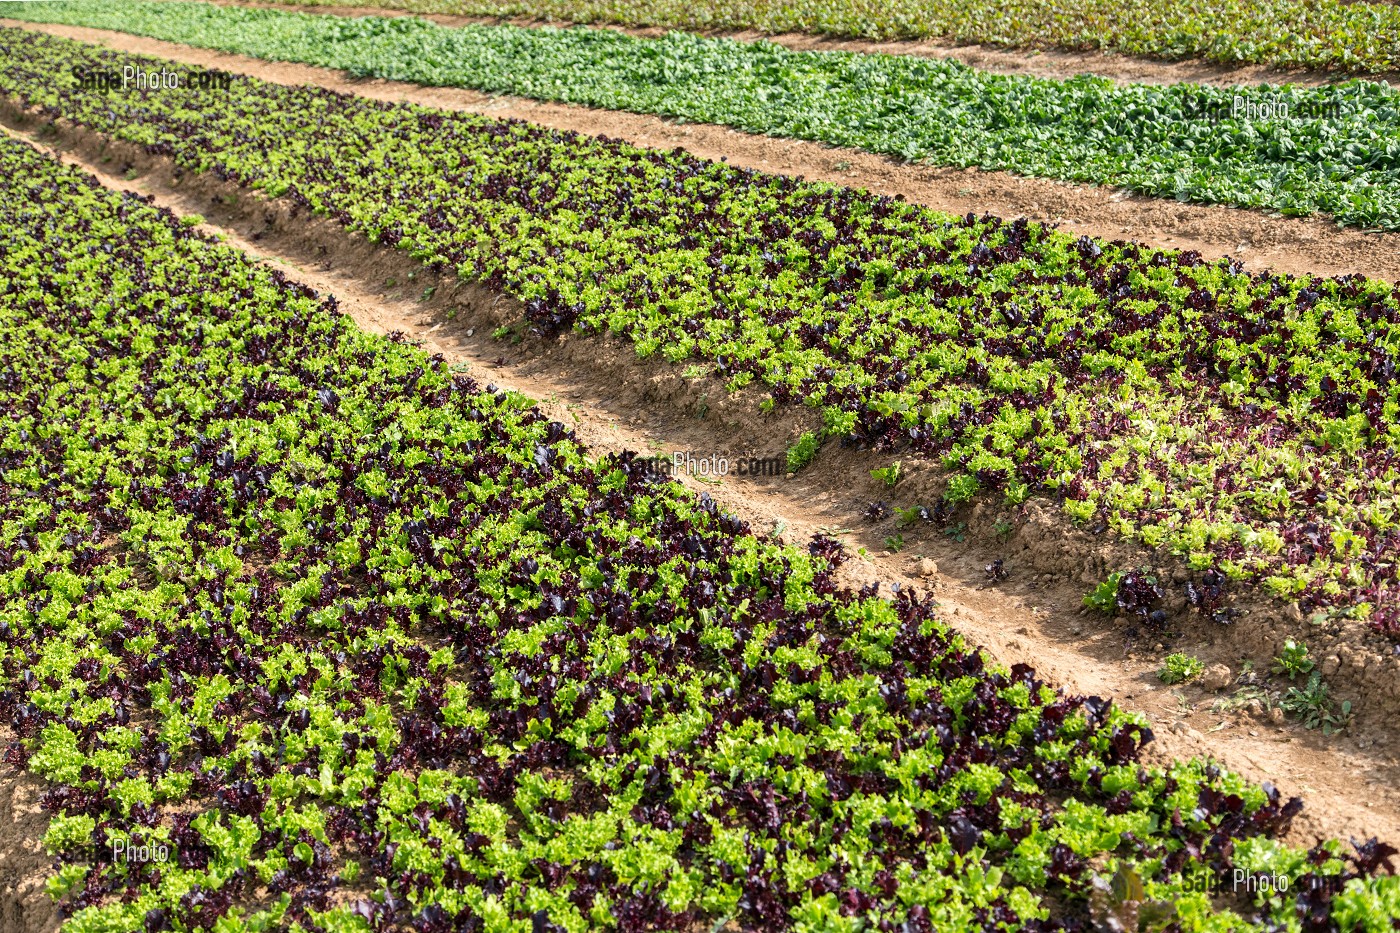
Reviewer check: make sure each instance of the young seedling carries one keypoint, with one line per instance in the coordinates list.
(889, 475)
(906, 517)
(801, 453)
(1292, 660)
(1104, 597)
(1180, 668)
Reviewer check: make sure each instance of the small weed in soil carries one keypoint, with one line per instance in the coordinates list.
(1314, 707)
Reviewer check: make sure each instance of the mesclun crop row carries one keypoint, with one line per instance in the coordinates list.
(1331, 34)
(1337, 153)
(361, 645)
(1245, 422)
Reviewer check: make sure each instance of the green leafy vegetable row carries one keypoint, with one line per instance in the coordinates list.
(309, 633)
(1328, 34)
(1336, 152)
(1248, 423)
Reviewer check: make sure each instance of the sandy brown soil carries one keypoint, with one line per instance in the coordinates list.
(1259, 240)
(614, 401)
(1040, 63)
(25, 907)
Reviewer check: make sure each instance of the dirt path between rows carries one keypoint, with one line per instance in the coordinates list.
(1039, 62)
(25, 906)
(1285, 244)
(614, 401)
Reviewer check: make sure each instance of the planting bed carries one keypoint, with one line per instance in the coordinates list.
(360, 644)
(1331, 34)
(1243, 421)
(1311, 245)
(1337, 153)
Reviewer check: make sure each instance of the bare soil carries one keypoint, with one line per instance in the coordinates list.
(1044, 62)
(1302, 246)
(614, 401)
(25, 906)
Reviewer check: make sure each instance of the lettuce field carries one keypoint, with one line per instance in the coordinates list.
(309, 628)
(1245, 421)
(480, 675)
(1181, 141)
(1326, 34)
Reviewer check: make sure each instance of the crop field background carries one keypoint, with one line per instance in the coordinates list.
(1362, 37)
(309, 628)
(1342, 159)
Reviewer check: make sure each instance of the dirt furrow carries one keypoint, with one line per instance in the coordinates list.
(25, 906)
(614, 401)
(1260, 241)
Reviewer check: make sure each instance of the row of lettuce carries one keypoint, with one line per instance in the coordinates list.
(1332, 150)
(1324, 34)
(1246, 422)
(306, 631)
